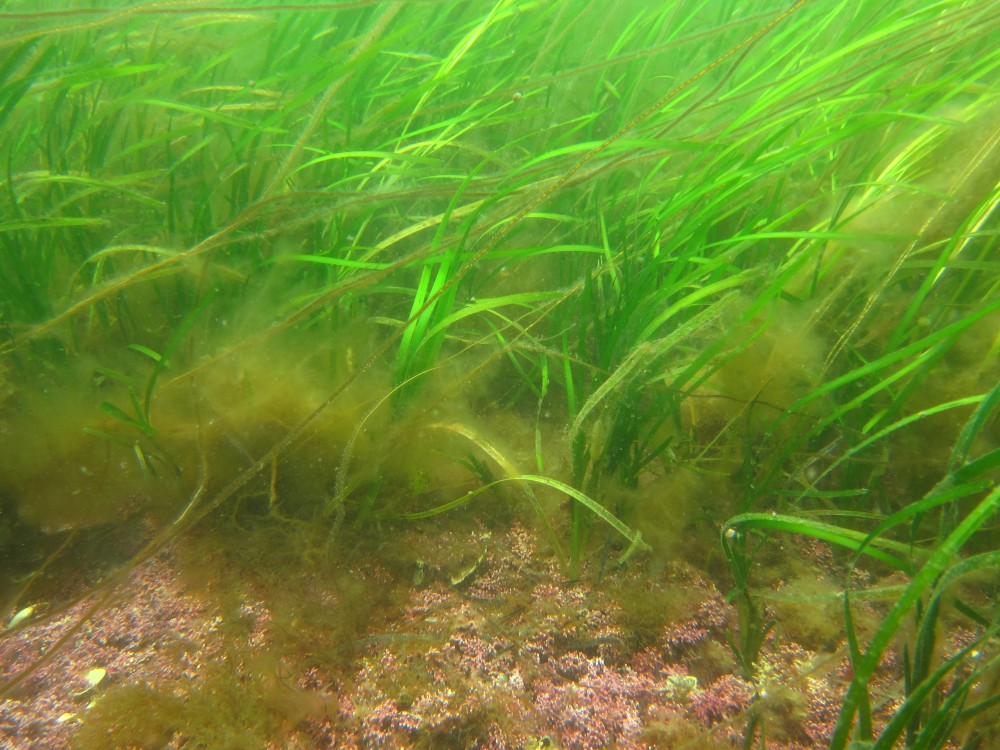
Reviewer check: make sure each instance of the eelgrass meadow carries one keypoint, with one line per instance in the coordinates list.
(338, 294)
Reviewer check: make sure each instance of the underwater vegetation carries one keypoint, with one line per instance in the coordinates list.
(500, 374)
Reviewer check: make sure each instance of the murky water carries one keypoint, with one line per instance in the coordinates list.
(498, 374)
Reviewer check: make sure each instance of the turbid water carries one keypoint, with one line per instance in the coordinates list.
(499, 374)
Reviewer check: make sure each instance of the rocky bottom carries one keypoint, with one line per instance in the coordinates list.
(481, 643)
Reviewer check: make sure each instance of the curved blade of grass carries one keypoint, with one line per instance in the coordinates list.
(634, 537)
(884, 432)
(849, 538)
(508, 468)
(940, 559)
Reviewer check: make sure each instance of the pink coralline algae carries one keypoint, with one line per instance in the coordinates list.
(491, 649)
(385, 725)
(709, 621)
(154, 634)
(604, 707)
(823, 709)
(723, 699)
(475, 669)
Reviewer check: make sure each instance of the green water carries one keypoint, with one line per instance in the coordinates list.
(366, 295)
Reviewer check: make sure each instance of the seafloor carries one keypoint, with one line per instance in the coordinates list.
(483, 642)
